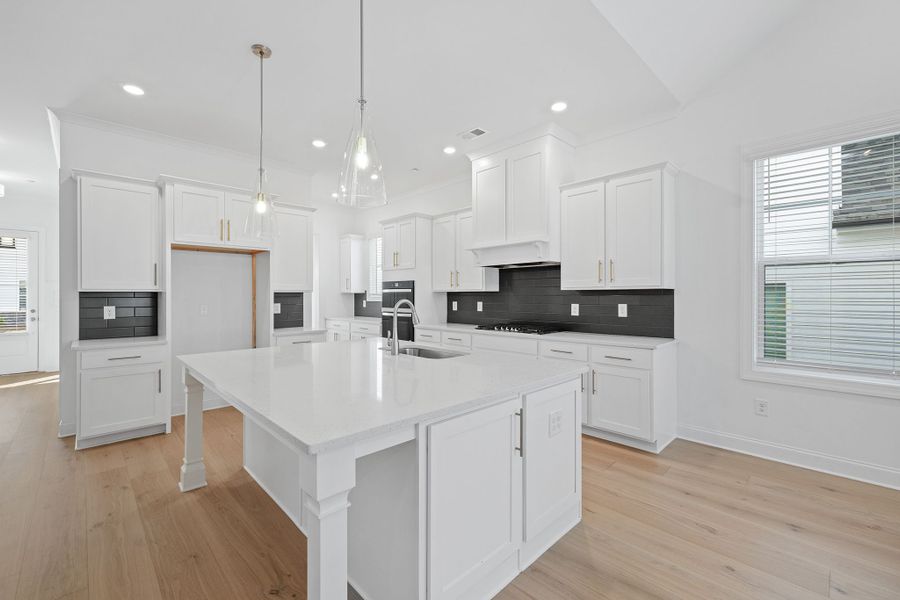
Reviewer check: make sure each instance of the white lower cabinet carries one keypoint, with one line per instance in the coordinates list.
(118, 399)
(621, 401)
(488, 518)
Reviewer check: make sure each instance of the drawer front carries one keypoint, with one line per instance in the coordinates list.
(335, 325)
(296, 340)
(566, 350)
(370, 328)
(120, 357)
(505, 344)
(638, 358)
(462, 340)
(428, 336)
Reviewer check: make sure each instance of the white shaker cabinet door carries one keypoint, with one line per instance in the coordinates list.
(583, 244)
(238, 207)
(621, 401)
(199, 215)
(443, 254)
(489, 200)
(474, 499)
(406, 244)
(390, 246)
(634, 231)
(292, 251)
(526, 206)
(469, 276)
(120, 399)
(119, 235)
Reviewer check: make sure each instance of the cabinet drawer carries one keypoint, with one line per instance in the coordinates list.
(428, 336)
(118, 357)
(463, 340)
(295, 340)
(639, 358)
(336, 325)
(370, 328)
(567, 350)
(505, 344)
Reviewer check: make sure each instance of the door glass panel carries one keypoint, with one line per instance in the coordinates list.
(13, 284)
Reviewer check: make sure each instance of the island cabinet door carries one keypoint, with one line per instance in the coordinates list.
(474, 502)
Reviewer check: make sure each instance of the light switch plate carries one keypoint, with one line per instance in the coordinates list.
(453, 307)
(556, 422)
(479, 306)
(276, 308)
(109, 312)
(364, 303)
(575, 310)
(204, 310)
(623, 310)
(761, 407)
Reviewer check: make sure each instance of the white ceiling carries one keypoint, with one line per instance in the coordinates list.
(433, 69)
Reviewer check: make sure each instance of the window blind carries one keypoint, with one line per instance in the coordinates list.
(13, 284)
(827, 255)
(376, 261)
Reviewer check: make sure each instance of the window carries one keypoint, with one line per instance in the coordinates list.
(827, 259)
(13, 284)
(376, 261)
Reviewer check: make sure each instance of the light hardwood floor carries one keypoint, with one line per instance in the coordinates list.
(692, 523)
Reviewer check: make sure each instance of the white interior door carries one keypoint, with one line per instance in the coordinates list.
(18, 301)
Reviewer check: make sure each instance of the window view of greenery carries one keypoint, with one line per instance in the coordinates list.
(13, 284)
(828, 257)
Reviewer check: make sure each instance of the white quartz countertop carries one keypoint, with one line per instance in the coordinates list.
(360, 319)
(627, 341)
(118, 343)
(322, 396)
(298, 330)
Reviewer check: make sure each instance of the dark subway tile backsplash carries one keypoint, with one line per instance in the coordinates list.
(534, 295)
(371, 309)
(137, 315)
(291, 310)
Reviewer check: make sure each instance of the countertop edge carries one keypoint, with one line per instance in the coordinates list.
(604, 339)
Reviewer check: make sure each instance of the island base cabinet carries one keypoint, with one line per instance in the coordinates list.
(118, 399)
(474, 502)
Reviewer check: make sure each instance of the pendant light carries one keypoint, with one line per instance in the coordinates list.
(362, 180)
(260, 221)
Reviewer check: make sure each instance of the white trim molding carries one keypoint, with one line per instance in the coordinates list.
(808, 459)
(750, 369)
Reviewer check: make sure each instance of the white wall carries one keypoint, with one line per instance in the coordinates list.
(97, 146)
(800, 81)
(35, 213)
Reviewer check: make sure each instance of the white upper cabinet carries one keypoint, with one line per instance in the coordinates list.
(353, 265)
(198, 214)
(292, 249)
(399, 244)
(618, 232)
(453, 264)
(515, 199)
(119, 234)
(237, 209)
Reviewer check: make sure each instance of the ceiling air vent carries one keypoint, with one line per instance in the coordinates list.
(472, 133)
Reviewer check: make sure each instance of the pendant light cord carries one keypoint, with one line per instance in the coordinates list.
(362, 65)
(261, 60)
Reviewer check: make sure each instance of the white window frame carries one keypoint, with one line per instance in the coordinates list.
(751, 368)
(373, 295)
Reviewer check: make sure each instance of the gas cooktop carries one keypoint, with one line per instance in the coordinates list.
(534, 328)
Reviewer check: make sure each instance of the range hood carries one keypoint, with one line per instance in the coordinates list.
(511, 255)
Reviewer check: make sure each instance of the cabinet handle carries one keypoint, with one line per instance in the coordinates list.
(348, 284)
(451, 278)
(124, 357)
(521, 446)
(454, 339)
(302, 342)
(593, 381)
(159, 381)
(616, 357)
(155, 275)
(560, 351)
(582, 384)
(396, 258)
(457, 279)
(599, 270)
(221, 229)
(229, 230)
(612, 273)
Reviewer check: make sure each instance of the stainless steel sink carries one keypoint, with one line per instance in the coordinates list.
(429, 352)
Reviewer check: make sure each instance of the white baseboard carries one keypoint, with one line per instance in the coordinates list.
(66, 429)
(817, 461)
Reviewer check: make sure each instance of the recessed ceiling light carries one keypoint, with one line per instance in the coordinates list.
(133, 89)
(449, 150)
(319, 143)
(558, 106)
(334, 194)
(374, 176)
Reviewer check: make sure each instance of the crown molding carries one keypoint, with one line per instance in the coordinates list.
(548, 129)
(80, 120)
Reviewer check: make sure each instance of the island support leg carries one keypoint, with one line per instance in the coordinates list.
(327, 480)
(193, 471)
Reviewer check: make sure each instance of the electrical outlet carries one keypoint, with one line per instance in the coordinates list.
(623, 310)
(453, 307)
(479, 306)
(574, 310)
(556, 422)
(109, 312)
(364, 303)
(204, 310)
(276, 308)
(761, 407)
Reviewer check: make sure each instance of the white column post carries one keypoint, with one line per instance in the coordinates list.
(327, 479)
(193, 471)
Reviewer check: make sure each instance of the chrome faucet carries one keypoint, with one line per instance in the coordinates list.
(395, 347)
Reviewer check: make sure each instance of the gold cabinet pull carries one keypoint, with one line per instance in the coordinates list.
(221, 229)
(229, 230)
(612, 273)
(451, 278)
(457, 279)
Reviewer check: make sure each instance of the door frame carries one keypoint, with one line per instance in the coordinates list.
(34, 261)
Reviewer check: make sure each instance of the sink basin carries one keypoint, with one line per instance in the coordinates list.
(429, 352)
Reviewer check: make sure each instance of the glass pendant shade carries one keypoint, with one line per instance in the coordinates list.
(362, 178)
(260, 221)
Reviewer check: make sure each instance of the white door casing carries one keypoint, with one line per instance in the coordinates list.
(19, 349)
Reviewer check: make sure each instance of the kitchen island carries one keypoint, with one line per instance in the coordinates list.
(411, 477)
